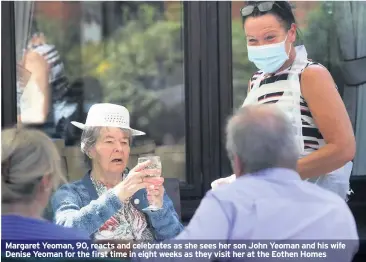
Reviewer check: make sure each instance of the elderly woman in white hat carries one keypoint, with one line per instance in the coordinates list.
(109, 201)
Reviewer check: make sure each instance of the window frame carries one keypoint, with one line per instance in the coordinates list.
(209, 97)
(8, 66)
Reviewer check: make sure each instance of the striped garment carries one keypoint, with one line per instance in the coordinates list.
(284, 89)
(312, 138)
(58, 86)
(57, 77)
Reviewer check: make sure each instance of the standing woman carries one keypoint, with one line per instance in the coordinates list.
(304, 90)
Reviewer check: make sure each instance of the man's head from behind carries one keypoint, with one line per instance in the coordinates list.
(260, 137)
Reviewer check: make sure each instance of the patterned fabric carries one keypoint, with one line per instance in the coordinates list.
(312, 138)
(78, 205)
(284, 89)
(57, 77)
(58, 85)
(127, 224)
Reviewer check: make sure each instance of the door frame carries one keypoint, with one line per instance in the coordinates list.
(8, 66)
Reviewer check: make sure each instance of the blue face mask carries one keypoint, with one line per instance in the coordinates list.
(268, 58)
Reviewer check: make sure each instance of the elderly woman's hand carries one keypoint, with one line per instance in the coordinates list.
(132, 183)
(155, 190)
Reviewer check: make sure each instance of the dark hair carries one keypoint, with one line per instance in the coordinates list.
(281, 9)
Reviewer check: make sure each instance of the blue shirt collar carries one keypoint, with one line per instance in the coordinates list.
(277, 173)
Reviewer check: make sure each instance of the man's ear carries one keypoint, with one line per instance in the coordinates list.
(238, 166)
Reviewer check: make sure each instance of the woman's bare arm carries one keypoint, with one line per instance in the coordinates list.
(331, 117)
(38, 66)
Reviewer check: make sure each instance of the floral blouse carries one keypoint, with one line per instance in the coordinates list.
(127, 224)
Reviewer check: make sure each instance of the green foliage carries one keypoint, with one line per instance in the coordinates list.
(141, 56)
(131, 65)
(320, 37)
(321, 41)
(64, 36)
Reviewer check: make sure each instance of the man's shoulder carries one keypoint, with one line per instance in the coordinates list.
(243, 187)
(254, 187)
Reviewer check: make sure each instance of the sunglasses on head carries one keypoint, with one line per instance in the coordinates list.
(262, 7)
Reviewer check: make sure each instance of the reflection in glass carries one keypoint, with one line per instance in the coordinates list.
(128, 53)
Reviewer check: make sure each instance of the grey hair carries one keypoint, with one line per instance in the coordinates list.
(262, 137)
(88, 139)
(26, 156)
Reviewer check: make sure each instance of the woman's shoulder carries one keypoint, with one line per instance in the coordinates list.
(71, 190)
(71, 187)
(316, 73)
(311, 64)
(314, 69)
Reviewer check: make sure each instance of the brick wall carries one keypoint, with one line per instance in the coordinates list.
(64, 10)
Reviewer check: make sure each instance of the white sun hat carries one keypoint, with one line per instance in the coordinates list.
(108, 115)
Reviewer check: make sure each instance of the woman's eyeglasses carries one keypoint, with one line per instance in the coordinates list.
(262, 7)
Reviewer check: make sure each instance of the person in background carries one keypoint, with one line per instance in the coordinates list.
(30, 171)
(33, 94)
(304, 90)
(43, 100)
(108, 201)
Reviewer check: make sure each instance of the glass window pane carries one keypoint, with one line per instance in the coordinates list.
(127, 53)
(329, 36)
(242, 67)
